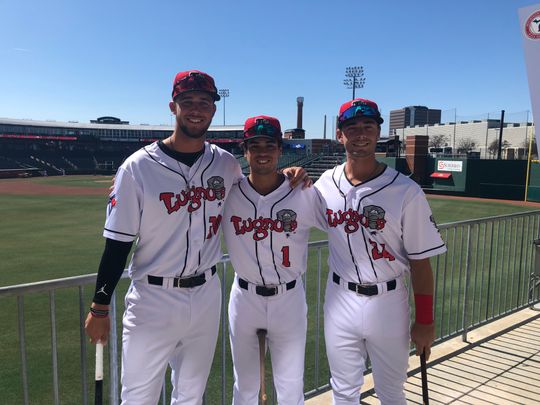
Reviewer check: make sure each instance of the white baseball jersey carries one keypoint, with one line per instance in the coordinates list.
(376, 227)
(267, 236)
(175, 211)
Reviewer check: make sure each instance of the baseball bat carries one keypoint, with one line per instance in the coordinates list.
(423, 372)
(98, 395)
(261, 334)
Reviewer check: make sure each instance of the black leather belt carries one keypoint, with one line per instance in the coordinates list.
(365, 289)
(188, 282)
(265, 291)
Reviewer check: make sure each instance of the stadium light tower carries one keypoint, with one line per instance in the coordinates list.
(354, 78)
(224, 93)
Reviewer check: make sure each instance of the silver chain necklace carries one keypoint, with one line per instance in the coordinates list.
(187, 178)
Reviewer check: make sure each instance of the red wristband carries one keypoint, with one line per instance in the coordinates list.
(424, 308)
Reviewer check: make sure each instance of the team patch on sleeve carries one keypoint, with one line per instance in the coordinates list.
(112, 203)
(434, 223)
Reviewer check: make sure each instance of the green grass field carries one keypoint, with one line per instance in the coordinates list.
(48, 237)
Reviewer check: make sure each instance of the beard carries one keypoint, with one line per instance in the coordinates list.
(193, 134)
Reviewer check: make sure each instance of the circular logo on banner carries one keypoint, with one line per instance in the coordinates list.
(532, 26)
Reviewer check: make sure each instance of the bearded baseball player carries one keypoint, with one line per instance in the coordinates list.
(380, 230)
(266, 226)
(169, 197)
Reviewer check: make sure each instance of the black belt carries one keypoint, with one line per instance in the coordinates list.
(365, 289)
(188, 282)
(266, 291)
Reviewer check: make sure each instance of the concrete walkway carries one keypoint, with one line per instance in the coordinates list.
(499, 364)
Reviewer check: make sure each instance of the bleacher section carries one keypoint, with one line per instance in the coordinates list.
(285, 160)
(59, 159)
(8, 163)
(320, 163)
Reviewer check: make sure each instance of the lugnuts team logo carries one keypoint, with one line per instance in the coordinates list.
(217, 184)
(193, 196)
(372, 217)
(288, 219)
(532, 25)
(261, 227)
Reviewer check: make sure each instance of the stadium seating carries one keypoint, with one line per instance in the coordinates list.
(320, 163)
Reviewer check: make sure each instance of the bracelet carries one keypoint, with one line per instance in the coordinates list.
(99, 313)
(424, 308)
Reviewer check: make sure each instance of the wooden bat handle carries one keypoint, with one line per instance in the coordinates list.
(261, 334)
(98, 394)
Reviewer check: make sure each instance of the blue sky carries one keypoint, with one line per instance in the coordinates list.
(73, 60)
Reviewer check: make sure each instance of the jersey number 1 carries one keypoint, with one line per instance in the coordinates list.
(285, 251)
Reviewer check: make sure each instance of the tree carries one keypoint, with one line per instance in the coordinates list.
(493, 147)
(465, 145)
(438, 141)
(525, 145)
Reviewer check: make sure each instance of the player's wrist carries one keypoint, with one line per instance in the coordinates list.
(424, 309)
(97, 305)
(99, 313)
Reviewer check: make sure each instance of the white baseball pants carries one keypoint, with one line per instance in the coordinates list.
(284, 316)
(175, 326)
(356, 327)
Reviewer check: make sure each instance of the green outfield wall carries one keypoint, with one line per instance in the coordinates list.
(484, 178)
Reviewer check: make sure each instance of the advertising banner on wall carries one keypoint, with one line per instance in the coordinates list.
(529, 18)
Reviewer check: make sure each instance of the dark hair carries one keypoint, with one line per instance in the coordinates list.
(243, 144)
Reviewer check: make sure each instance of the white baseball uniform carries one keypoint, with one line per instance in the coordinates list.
(267, 238)
(374, 229)
(171, 316)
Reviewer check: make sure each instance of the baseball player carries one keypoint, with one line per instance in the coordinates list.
(380, 230)
(266, 226)
(169, 197)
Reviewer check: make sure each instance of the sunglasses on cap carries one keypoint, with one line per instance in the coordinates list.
(261, 127)
(362, 110)
(195, 81)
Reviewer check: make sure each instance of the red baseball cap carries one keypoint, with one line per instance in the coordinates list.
(359, 107)
(262, 125)
(194, 80)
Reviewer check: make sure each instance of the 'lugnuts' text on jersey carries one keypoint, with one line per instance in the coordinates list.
(267, 236)
(173, 210)
(376, 227)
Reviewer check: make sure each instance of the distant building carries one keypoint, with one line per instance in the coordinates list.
(480, 132)
(295, 133)
(109, 120)
(412, 116)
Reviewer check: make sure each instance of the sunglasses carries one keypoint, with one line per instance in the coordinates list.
(261, 128)
(195, 81)
(362, 110)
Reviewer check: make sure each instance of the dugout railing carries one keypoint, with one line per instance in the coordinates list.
(489, 271)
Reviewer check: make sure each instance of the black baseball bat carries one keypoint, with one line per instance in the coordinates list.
(423, 372)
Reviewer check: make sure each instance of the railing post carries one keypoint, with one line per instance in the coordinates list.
(534, 281)
(113, 355)
(317, 314)
(54, 351)
(22, 347)
(224, 334)
(464, 324)
(82, 334)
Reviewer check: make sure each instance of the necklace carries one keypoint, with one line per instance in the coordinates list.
(367, 178)
(186, 176)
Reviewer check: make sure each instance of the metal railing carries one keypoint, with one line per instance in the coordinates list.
(488, 272)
